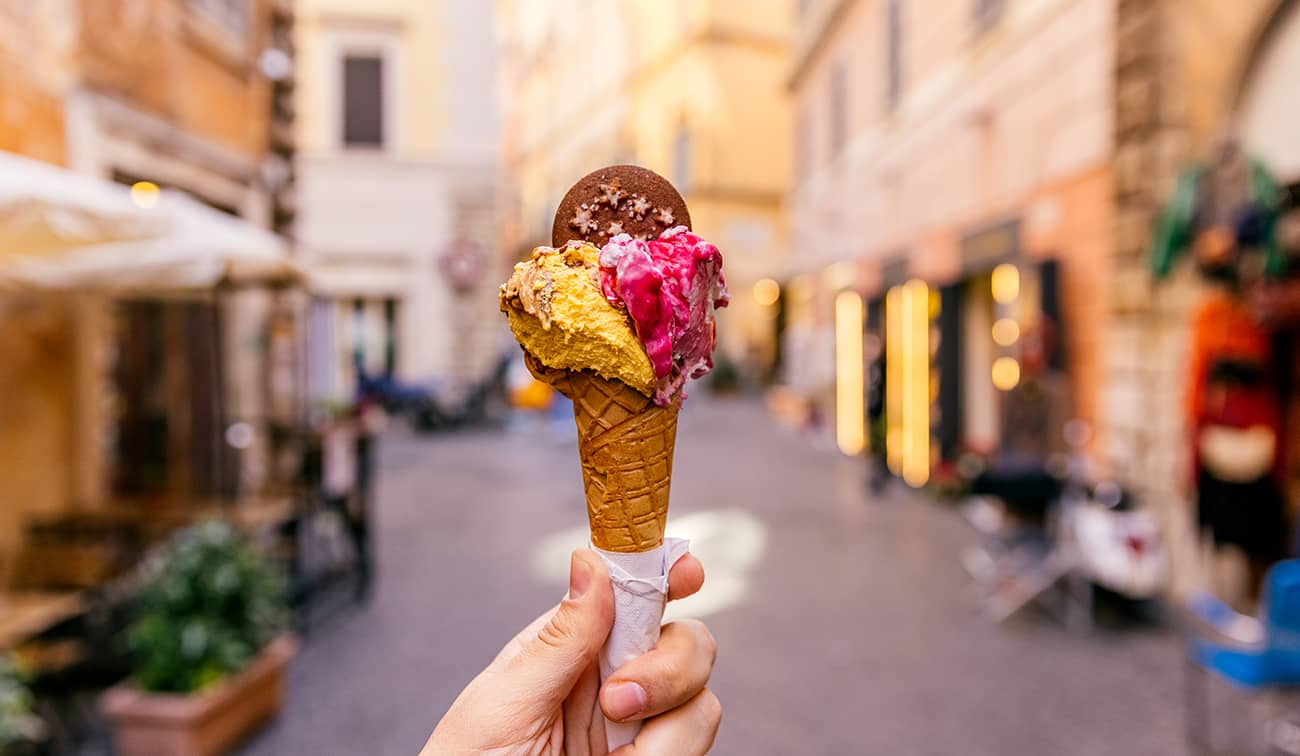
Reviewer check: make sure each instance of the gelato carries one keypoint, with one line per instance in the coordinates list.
(617, 320)
(560, 317)
(670, 287)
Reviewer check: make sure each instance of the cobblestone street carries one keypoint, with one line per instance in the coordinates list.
(841, 618)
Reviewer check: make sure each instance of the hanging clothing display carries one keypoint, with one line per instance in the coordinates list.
(1236, 423)
(1239, 459)
(1221, 210)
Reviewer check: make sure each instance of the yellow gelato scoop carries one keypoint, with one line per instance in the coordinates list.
(559, 315)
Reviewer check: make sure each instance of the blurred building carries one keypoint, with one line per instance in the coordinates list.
(690, 89)
(965, 148)
(37, 72)
(396, 171)
(109, 395)
(1187, 77)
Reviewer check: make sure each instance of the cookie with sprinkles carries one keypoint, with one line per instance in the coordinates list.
(619, 199)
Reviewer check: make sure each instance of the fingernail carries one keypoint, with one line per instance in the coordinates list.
(579, 578)
(623, 700)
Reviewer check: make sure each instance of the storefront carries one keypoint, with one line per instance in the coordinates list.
(951, 349)
(135, 370)
(1212, 347)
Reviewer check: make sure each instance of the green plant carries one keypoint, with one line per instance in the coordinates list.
(17, 723)
(207, 604)
(725, 376)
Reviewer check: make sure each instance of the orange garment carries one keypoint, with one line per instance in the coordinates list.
(1223, 327)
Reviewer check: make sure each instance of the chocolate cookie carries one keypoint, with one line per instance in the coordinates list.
(619, 199)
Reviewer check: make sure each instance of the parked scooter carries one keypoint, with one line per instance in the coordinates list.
(1118, 545)
(441, 409)
(1053, 539)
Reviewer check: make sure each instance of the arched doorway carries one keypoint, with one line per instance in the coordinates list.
(1268, 110)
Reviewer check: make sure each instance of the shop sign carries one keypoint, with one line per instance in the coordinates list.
(986, 249)
(463, 264)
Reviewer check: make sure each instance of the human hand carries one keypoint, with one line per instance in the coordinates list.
(542, 693)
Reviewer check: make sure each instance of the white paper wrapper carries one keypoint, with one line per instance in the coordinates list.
(640, 584)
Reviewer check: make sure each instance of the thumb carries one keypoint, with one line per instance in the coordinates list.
(549, 664)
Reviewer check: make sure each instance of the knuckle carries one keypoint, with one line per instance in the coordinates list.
(702, 638)
(708, 642)
(669, 676)
(710, 708)
(558, 632)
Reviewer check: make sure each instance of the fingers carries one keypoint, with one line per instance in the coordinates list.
(685, 731)
(685, 578)
(583, 723)
(672, 673)
(548, 663)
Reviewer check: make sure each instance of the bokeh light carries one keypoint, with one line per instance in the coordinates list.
(850, 427)
(767, 291)
(1006, 283)
(144, 194)
(1006, 332)
(1006, 373)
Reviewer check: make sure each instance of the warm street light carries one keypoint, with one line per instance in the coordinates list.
(1006, 373)
(1006, 332)
(1006, 283)
(907, 394)
(916, 383)
(850, 415)
(144, 194)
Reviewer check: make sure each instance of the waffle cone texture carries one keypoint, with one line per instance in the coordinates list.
(625, 443)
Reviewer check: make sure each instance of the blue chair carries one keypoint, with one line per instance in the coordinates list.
(1254, 655)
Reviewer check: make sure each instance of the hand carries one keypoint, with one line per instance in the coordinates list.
(540, 695)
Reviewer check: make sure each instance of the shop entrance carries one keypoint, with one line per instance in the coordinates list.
(168, 395)
(1286, 350)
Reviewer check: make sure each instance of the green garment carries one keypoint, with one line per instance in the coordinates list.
(1174, 231)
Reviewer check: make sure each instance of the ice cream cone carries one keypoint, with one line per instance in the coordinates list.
(625, 443)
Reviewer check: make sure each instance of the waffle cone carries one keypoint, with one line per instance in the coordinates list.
(625, 443)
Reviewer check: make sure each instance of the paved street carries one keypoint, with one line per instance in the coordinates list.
(841, 619)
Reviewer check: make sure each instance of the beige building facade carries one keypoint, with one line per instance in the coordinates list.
(175, 93)
(936, 141)
(397, 133)
(692, 90)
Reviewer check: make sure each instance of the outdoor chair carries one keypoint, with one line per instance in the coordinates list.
(1257, 657)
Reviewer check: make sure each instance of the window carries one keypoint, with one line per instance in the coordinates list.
(987, 13)
(839, 115)
(894, 63)
(682, 159)
(363, 101)
(230, 14)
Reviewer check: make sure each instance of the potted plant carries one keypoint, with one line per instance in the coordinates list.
(20, 729)
(209, 647)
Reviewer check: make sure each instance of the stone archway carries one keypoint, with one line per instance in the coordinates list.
(1266, 109)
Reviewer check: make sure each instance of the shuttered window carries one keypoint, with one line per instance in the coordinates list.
(363, 101)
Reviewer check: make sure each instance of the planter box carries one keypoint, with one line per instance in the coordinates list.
(207, 723)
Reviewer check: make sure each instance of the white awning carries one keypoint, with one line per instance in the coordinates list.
(44, 207)
(64, 231)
